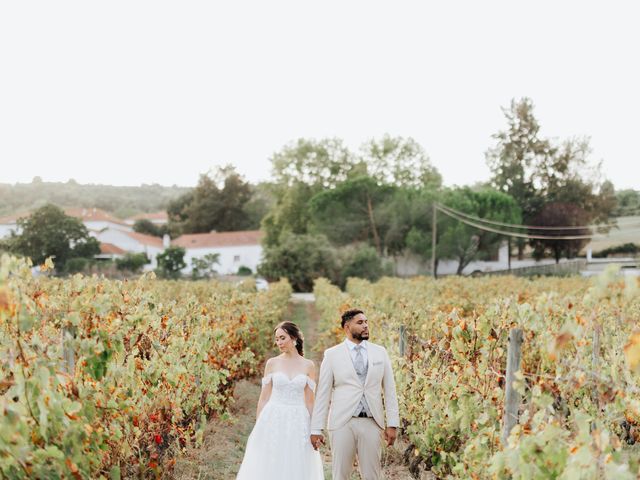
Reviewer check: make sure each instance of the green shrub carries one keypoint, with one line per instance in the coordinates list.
(244, 271)
(132, 262)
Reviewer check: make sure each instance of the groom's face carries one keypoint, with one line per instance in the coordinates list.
(358, 327)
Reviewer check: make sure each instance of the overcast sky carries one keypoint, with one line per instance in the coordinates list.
(131, 92)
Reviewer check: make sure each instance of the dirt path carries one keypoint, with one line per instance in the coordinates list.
(224, 440)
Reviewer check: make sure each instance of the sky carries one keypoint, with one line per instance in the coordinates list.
(131, 92)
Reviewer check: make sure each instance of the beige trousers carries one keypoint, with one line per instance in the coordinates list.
(361, 436)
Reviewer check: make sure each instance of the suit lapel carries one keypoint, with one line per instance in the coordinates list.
(347, 359)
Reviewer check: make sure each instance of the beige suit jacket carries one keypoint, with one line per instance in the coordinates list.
(339, 389)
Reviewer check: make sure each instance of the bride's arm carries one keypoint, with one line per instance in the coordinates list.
(265, 393)
(309, 395)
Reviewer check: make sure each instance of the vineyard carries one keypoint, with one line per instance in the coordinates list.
(579, 417)
(112, 379)
(115, 379)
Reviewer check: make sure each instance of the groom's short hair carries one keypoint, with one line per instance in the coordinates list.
(349, 314)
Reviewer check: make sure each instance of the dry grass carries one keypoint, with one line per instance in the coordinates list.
(220, 455)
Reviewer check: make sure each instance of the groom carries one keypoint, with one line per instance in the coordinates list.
(353, 377)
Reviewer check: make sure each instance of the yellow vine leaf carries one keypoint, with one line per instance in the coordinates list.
(632, 351)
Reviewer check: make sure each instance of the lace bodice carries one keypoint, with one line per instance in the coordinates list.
(288, 391)
(279, 447)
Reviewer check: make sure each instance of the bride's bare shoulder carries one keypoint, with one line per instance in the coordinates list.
(270, 365)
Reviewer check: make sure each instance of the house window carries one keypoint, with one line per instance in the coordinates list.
(236, 258)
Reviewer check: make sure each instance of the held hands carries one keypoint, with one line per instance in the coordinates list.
(390, 434)
(316, 441)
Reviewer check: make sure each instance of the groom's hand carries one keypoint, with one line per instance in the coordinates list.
(390, 434)
(316, 441)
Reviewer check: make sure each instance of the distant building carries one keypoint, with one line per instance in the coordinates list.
(9, 224)
(109, 251)
(131, 242)
(236, 249)
(94, 219)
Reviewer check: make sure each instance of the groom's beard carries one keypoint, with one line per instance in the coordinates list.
(361, 336)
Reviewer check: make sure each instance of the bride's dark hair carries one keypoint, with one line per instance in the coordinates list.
(294, 332)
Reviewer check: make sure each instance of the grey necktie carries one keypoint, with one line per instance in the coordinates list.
(361, 370)
(359, 364)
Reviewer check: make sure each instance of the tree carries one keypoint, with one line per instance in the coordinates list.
(361, 261)
(301, 170)
(147, 227)
(132, 262)
(513, 160)
(301, 259)
(401, 162)
(203, 267)
(347, 213)
(259, 205)
(290, 215)
(217, 203)
(539, 174)
(48, 232)
(466, 243)
(317, 163)
(171, 262)
(556, 214)
(627, 203)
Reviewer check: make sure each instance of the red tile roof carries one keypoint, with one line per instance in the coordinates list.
(218, 239)
(111, 249)
(145, 239)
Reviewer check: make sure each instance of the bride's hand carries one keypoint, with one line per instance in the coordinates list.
(316, 441)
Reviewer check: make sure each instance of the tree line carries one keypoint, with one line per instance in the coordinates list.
(329, 211)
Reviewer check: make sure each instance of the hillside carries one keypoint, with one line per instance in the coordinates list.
(120, 201)
(628, 231)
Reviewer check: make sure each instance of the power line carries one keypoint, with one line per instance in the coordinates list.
(512, 234)
(510, 225)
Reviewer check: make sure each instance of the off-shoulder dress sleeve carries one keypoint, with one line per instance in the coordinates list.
(312, 384)
(266, 380)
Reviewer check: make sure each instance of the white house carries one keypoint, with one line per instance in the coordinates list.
(132, 242)
(409, 264)
(9, 224)
(236, 249)
(94, 219)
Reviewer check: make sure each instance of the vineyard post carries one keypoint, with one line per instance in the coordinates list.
(433, 241)
(512, 397)
(403, 341)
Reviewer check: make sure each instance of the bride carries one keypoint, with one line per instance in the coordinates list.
(279, 447)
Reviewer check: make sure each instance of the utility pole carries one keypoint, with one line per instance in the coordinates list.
(433, 241)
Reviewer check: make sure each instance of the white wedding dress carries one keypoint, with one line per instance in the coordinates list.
(279, 447)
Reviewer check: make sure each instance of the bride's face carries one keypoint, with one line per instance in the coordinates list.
(283, 341)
